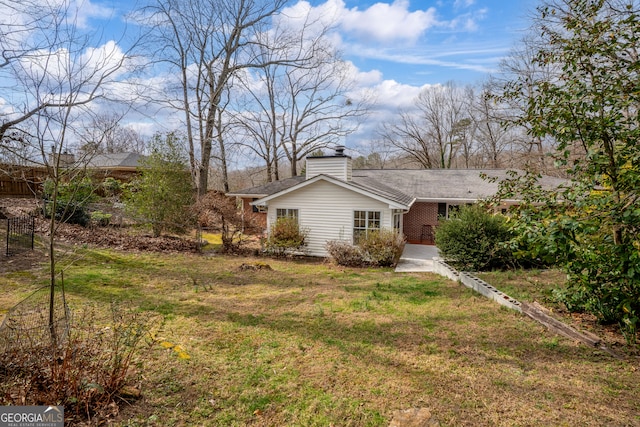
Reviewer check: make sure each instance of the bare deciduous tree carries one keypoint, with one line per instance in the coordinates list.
(300, 108)
(432, 132)
(521, 64)
(208, 42)
(106, 135)
(493, 138)
(409, 136)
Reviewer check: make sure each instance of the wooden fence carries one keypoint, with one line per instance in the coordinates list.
(21, 181)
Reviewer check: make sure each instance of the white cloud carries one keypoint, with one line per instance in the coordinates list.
(84, 10)
(461, 4)
(5, 107)
(387, 23)
(381, 22)
(393, 95)
(303, 14)
(366, 78)
(104, 58)
(42, 22)
(427, 58)
(55, 70)
(77, 13)
(468, 22)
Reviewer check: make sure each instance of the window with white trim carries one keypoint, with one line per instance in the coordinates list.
(363, 222)
(287, 213)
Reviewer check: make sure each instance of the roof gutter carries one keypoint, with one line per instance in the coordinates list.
(460, 200)
(245, 196)
(409, 206)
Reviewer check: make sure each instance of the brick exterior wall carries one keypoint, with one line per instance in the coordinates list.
(415, 221)
(257, 218)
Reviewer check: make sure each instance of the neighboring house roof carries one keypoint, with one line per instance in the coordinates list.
(368, 187)
(268, 188)
(116, 160)
(403, 185)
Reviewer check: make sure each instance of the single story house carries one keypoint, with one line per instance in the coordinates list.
(335, 202)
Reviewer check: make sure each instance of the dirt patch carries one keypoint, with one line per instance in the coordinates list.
(21, 262)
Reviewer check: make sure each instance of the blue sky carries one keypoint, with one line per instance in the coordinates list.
(428, 42)
(411, 42)
(401, 47)
(397, 47)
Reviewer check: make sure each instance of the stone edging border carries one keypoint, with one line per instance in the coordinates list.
(535, 311)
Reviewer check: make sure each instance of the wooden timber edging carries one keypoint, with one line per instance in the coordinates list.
(533, 310)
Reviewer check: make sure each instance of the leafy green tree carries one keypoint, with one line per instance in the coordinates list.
(590, 107)
(163, 193)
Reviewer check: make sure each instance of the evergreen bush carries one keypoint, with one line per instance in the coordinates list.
(72, 200)
(475, 239)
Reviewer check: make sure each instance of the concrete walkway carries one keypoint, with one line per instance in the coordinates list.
(417, 258)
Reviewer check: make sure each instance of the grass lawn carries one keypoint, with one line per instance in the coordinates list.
(527, 285)
(311, 344)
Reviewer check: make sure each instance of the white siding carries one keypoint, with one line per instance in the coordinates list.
(326, 211)
(335, 166)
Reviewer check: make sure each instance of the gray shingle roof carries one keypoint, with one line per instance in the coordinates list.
(372, 185)
(403, 185)
(128, 160)
(444, 184)
(269, 188)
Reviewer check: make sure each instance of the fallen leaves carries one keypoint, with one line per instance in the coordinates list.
(121, 239)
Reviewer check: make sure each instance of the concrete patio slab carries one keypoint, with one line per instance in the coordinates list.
(417, 258)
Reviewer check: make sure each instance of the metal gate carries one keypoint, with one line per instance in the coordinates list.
(20, 234)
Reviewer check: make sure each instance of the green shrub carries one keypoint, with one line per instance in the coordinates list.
(111, 187)
(72, 200)
(69, 212)
(162, 195)
(285, 236)
(475, 239)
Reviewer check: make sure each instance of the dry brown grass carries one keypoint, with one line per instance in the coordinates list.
(309, 344)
